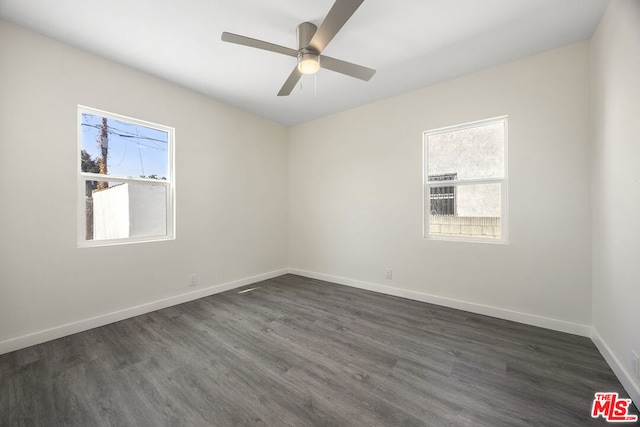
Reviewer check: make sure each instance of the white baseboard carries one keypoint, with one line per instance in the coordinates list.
(625, 378)
(39, 337)
(501, 313)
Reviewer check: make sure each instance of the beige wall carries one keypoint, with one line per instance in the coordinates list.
(355, 182)
(615, 62)
(231, 180)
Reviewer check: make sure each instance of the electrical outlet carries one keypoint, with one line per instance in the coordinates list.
(635, 361)
(193, 280)
(388, 273)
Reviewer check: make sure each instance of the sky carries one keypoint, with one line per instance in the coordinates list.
(134, 150)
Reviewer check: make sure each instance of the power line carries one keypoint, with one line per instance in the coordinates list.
(123, 133)
(136, 129)
(112, 132)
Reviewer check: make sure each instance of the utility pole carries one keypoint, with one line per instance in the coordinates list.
(104, 150)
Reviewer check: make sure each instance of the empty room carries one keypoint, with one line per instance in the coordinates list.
(328, 212)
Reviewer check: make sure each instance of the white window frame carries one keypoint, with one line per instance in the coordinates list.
(504, 208)
(83, 177)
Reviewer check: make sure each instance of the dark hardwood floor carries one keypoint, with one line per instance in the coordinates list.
(302, 352)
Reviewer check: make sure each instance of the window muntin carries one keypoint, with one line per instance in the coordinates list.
(125, 179)
(471, 160)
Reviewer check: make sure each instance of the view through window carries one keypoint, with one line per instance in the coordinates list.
(465, 181)
(126, 182)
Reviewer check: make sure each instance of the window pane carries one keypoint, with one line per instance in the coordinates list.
(121, 210)
(471, 153)
(119, 148)
(477, 213)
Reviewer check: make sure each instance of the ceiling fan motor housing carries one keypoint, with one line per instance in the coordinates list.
(305, 32)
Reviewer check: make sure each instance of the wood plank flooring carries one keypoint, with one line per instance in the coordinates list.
(303, 352)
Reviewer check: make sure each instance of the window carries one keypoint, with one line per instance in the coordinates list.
(125, 168)
(465, 182)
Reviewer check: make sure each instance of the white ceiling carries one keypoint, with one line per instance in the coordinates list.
(411, 43)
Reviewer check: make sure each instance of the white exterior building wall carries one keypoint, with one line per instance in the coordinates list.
(147, 210)
(111, 213)
(129, 210)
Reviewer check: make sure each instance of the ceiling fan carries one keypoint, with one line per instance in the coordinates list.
(312, 41)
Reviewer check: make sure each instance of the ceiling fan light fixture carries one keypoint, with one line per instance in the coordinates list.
(308, 62)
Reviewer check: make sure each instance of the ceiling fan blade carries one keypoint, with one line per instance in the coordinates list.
(344, 67)
(258, 44)
(339, 14)
(288, 86)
